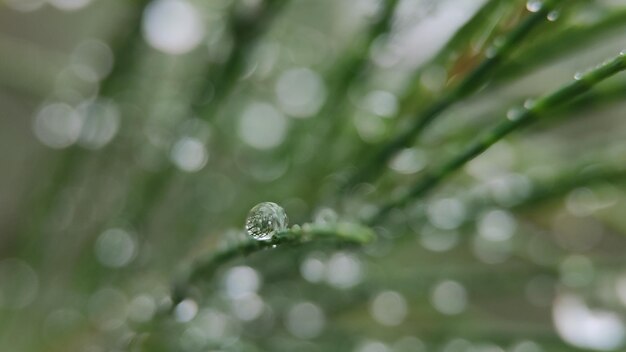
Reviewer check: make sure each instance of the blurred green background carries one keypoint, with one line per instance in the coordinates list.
(136, 135)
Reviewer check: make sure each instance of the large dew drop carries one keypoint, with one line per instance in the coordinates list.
(265, 220)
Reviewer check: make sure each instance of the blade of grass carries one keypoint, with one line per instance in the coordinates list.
(470, 84)
(561, 44)
(582, 84)
(202, 269)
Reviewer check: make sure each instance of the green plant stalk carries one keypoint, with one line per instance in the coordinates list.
(608, 93)
(409, 101)
(460, 38)
(558, 45)
(525, 116)
(205, 267)
(581, 175)
(470, 84)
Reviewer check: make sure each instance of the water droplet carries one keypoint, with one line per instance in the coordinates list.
(265, 220)
(578, 76)
(499, 42)
(534, 5)
(491, 52)
(529, 104)
(553, 15)
(514, 114)
(434, 78)
(622, 53)
(325, 216)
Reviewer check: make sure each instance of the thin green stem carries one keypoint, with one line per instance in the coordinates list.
(560, 44)
(470, 84)
(582, 84)
(204, 268)
(481, 24)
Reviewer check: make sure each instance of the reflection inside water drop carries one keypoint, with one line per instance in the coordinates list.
(265, 220)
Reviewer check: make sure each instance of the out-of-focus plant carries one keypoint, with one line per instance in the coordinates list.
(133, 234)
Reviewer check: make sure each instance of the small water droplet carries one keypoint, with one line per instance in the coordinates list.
(265, 220)
(622, 53)
(578, 76)
(529, 104)
(553, 15)
(491, 52)
(534, 5)
(499, 42)
(326, 216)
(514, 114)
